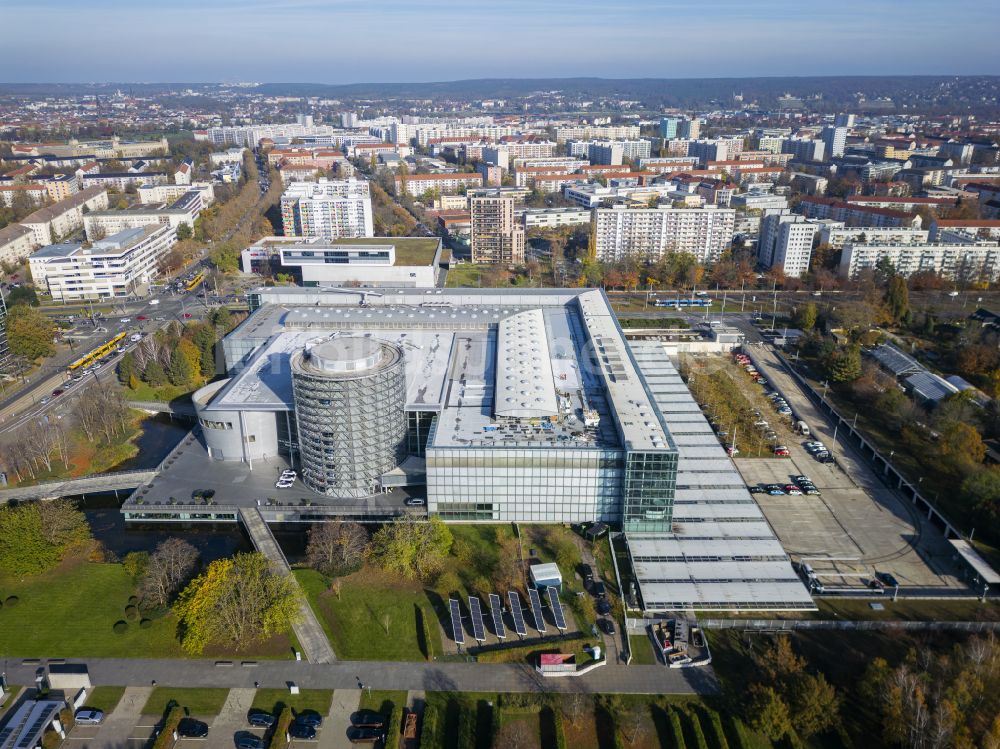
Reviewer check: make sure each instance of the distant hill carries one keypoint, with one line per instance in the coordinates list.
(979, 94)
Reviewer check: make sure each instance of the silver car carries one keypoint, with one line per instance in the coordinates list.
(87, 716)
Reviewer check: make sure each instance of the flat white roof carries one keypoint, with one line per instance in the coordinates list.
(524, 384)
(972, 557)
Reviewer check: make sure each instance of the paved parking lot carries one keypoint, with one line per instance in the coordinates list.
(856, 515)
(119, 729)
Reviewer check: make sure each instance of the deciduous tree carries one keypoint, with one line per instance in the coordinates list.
(168, 568)
(336, 548)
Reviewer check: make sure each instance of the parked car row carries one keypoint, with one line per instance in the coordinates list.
(819, 451)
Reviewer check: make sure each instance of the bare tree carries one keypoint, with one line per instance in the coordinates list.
(336, 548)
(62, 523)
(634, 727)
(59, 436)
(38, 443)
(170, 566)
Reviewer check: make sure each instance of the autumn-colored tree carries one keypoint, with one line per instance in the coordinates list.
(235, 602)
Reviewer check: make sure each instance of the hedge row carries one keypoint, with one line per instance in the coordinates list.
(279, 738)
(676, 730)
(699, 736)
(428, 731)
(714, 733)
(395, 726)
(165, 739)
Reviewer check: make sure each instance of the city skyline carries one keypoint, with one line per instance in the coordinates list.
(245, 41)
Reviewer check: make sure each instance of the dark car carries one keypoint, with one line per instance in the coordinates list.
(586, 572)
(260, 719)
(301, 731)
(886, 579)
(189, 728)
(247, 740)
(368, 719)
(607, 626)
(309, 718)
(357, 735)
(598, 589)
(757, 489)
(603, 607)
(57, 392)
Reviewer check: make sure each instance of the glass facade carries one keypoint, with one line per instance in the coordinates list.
(530, 484)
(648, 490)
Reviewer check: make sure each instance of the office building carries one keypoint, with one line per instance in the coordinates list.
(648, 233)
(834, 141)
(403, 262)
(496, 235)
(121, 265)
(516, 405)
(973, 263)
(327, 208)
(786, 242)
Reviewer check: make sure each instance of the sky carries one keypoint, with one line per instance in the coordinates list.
(355, 41)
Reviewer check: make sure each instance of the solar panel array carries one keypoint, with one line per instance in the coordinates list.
(497, 611)
(556, 605)
(478, 629)
(517, 612)
(536, 609)
(456, 622)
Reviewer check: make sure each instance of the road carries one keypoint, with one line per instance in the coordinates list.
(388, 675)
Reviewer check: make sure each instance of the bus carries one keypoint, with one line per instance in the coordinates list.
(193, 283)
(678, 303)
(98, 353)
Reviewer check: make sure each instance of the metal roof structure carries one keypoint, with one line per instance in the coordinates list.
(975, 561)
(457, 632)
(896, 361)
(26, 723)
(721, 553)
(524, 385)
(536, 610)
(476, 613)
(496, 611)
(929, 386)
(517, 613)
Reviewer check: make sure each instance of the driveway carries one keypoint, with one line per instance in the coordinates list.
(118, 729)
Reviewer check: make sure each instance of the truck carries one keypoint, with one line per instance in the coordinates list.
(802, 428)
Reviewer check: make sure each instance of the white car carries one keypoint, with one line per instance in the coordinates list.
(86, 716)
(288, 473)
(284, 484)
(126, 319)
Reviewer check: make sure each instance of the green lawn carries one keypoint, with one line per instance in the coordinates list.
(356, 621)
(274, 700)
(70, 611)
(105, 698)
(162, 393)
(642, 650)
(197, 701)
(467, 274)
(382, 700)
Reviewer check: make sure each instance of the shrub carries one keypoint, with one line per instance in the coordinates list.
(12, 601)
(133, 600)
(165, 739)
(279, 737)
(145, 623)
(131, 613)
(120, 627)
(428, 731)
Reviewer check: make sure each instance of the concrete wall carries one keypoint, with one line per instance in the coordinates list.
(235, 435)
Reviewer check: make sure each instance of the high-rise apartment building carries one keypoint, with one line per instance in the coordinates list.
(786, 240)
(844, 120)
(648, 233)
(328, 208)
(834, 141)
(496, 236)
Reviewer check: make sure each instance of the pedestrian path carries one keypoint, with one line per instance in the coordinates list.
(334, 734)
(309, 632)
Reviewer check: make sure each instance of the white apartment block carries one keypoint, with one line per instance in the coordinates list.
(327, 208)
(968, 262)
(836, 234)
(648, 233)
(121, 265)
(804, 149)
(834, 141)
(612, 152)
(496, 236)
(37, 194)
(418, 184)
(152, 194)
(595, 132)
(59, 219)
(786, 241)
(560, 162)
(667, 164)
(550, 218)
(229, 156)
(184, 210)
(121, 180)
(15, 243)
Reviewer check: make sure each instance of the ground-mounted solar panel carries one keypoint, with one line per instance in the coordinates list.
(536, 610)
(456, 622)
(476, 612)
(496, 610)
(556, 605)
(517, 612)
